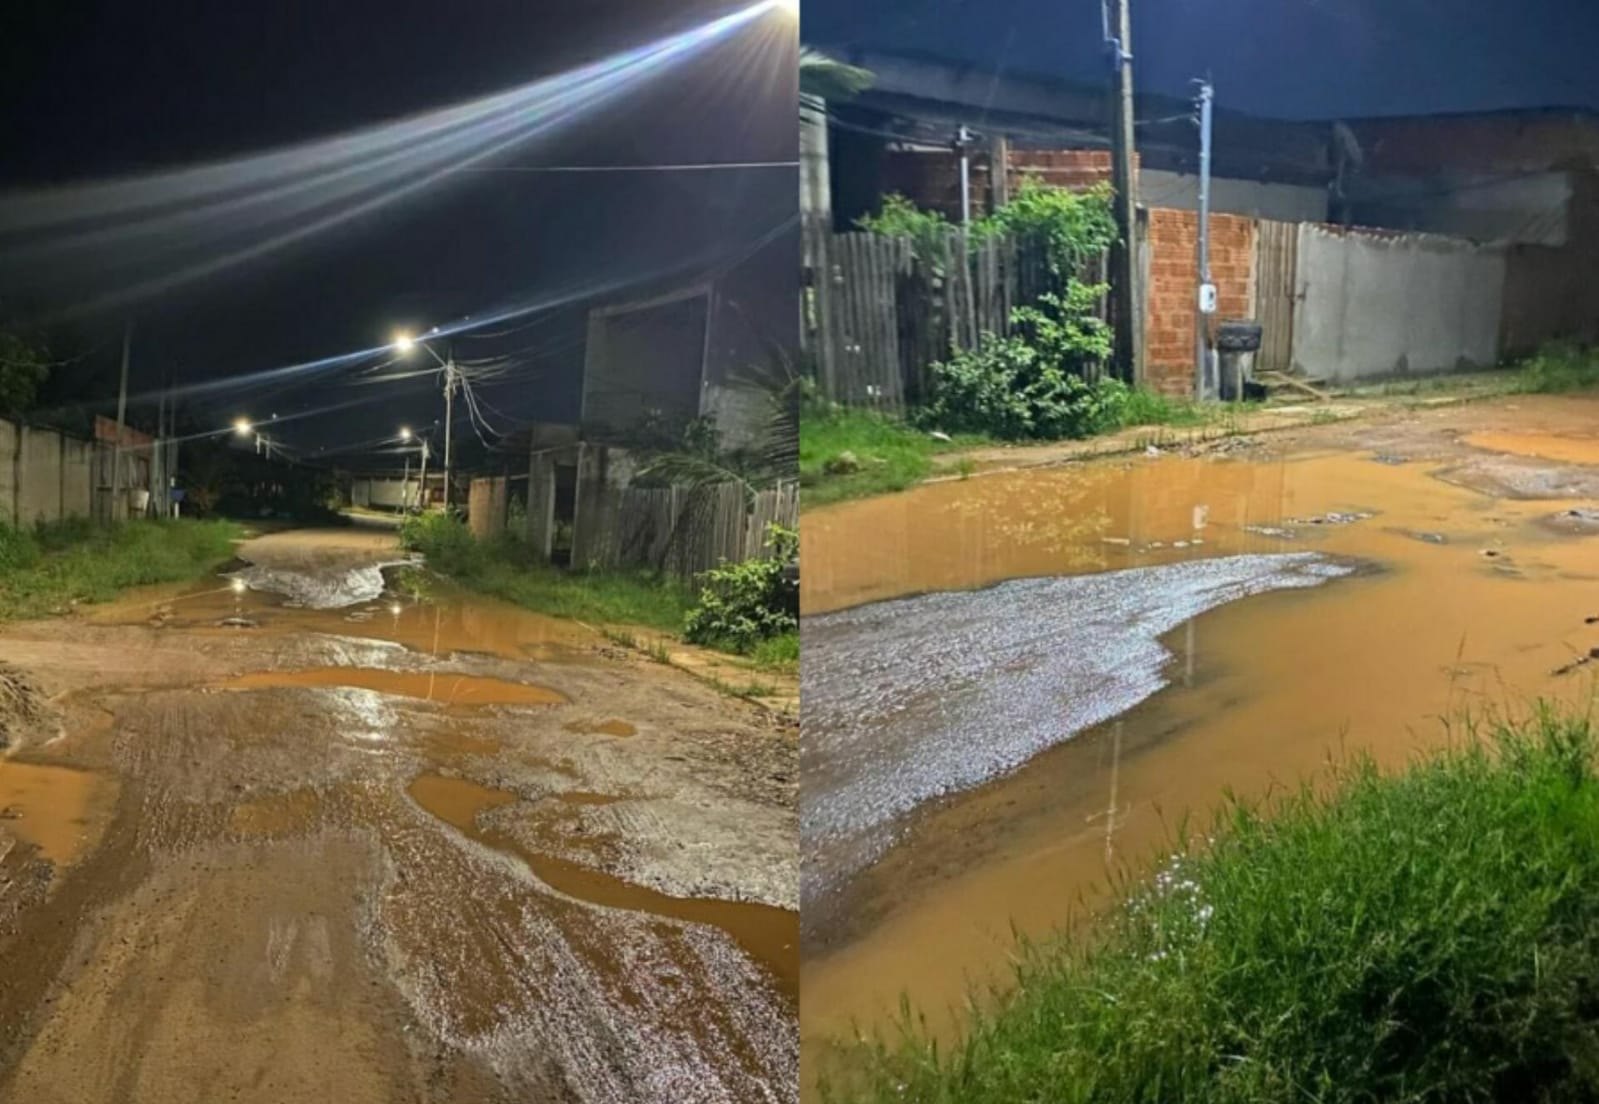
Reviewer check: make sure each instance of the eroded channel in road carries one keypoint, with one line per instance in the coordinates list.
(404, 849)
(1018, 742)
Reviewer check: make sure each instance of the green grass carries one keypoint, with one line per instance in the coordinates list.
(1426, 935)
(1559, 367)
(779, 654)
(46, 569)
(890, 455)
(504, 569)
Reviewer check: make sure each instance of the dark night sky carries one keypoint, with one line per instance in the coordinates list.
(1290, 58)
(95, 89)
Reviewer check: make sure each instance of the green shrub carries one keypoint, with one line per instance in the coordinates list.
(1428, 935)
(1560, 366)
(743, 604)
(444, 540)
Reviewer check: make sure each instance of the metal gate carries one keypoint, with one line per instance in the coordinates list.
(1276, 266)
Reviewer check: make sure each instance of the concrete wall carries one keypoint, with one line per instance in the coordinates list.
(390, 494)
(45, 475)
(1372, 305)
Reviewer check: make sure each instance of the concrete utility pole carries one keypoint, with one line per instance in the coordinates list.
(449, 419)
(1205, 293)
(422, 493)
(963, 143)
(1124, 274)
(122, 412)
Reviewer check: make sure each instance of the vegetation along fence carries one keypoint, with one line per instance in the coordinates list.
(879, 311)
(684, 531)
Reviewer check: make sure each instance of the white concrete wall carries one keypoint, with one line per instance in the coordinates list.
(44, 475)
(1372, 305)
(384, 493)
(1283, 202)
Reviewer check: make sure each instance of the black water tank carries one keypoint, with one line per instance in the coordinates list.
(1238, 335)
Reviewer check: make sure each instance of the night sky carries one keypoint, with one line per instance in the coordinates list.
(97, 89)
(1289, 58)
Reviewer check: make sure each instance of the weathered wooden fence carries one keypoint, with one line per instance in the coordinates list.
(685, 531)
(880, 311)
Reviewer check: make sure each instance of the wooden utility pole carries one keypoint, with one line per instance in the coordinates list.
(122, 412)
(1124, 273)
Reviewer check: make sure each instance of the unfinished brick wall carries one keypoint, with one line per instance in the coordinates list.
(1173, 283)
(931, 179)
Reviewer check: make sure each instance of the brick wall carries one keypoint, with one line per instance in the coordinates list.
(931, 178)
(1169, 323)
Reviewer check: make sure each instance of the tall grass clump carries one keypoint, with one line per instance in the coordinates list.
(46, 569)
(506, 568)
(1427, 935)
(1558, 367)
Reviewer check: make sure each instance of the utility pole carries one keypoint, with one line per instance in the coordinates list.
(1205, 293)
(449, 419)
(963, 145)
(422, 495)
(1124, 274)
(122, 412)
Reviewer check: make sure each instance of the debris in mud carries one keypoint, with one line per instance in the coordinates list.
(1389, 459)
(238, 623)
(21, 704)
(1424, 536)
(1274, 531)
(1579, 520)
(1333, 517)
(1580, 661)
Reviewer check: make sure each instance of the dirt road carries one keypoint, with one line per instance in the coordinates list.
(289, 836)
(1062, 664)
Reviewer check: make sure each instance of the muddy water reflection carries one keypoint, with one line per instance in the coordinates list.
(1261, 689)
(770, 935)
(436, 686)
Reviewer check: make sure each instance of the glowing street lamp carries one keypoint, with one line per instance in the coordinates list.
(405, 433)
(403, 344)
(242, 426)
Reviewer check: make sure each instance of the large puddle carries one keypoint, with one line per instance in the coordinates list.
(435, 686)
(1016, 745)
(58, 810)
(769, 935)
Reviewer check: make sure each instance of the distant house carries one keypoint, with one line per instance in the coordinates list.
(709, 349)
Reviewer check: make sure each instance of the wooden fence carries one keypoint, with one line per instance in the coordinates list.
(685, 532)
(880, 311)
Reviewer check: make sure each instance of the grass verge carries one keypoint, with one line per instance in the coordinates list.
(1429, 935)
(847, 454)
(1559, 367)
(504, 570)
(856, 453)
(46, 569)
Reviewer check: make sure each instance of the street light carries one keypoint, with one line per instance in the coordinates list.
(241, 426)
(403, 344)
(405, 433)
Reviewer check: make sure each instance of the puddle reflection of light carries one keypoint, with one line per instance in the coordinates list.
(371, 720)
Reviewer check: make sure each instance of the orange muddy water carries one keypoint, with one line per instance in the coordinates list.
(1136, 638)
(58, 810)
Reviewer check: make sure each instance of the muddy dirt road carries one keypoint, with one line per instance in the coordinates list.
(1064, 663)
(292, 836)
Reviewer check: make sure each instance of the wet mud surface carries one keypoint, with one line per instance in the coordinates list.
(1068, 663)
(271, 849)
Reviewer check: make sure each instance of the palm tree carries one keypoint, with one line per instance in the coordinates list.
(827, 79)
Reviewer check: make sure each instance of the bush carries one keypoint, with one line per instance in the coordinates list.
(746, 603)
(1431, 935)
(444, 540)
(1560, 366)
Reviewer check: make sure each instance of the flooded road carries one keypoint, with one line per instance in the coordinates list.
(284, 837)
(1066, 663)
